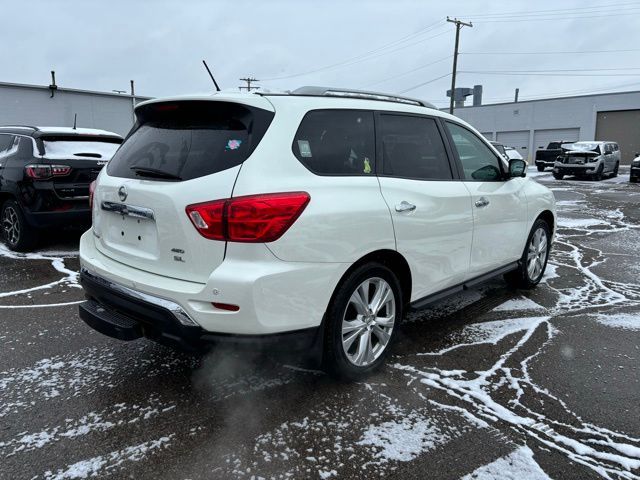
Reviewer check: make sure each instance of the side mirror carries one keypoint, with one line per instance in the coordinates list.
(517, 168)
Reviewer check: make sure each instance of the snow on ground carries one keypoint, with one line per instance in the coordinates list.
(625, 321)
(580, 222)
(402, 439)
(521, 303)
(103, 464)
(518, 465)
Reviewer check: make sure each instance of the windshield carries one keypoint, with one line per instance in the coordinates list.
(69, 147)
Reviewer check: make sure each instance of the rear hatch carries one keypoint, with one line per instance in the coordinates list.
(179, 153)
(83, 156)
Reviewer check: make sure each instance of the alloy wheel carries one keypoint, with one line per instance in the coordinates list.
(368, 321)
(537, 255)
(11, 225)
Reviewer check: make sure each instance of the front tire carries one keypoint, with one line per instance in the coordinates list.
(598, 175)
(558, 176)
(540, 168)
(17, 233)
(362, 321)
(534, 258)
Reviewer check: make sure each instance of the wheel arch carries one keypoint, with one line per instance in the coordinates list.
(391, 259)
(549, 218)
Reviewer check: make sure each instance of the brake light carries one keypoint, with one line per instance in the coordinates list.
(45, 171)
(252, 219)
(92, 189)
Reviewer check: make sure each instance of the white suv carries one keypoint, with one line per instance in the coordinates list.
(318, 216)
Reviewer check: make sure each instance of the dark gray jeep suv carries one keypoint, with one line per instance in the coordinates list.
(45, 174)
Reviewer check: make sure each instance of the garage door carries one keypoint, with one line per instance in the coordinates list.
(622, 127)
(541, 138)
(488, 135)
(517, 139)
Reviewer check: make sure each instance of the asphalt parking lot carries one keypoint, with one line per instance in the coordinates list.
(536, 384)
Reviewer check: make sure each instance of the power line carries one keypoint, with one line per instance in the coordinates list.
(371, 54)
(552, 53)
(554, 18)
(424, 83)
(409, 71)
(555, 10)
(559, 74)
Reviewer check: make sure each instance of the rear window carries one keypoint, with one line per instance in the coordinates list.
(336, 142)
(70, 147)
(187, 140)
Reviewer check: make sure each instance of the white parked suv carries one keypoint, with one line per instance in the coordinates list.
(318, 216)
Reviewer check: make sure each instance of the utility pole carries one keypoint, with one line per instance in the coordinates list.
(249, 80)
(459, 25)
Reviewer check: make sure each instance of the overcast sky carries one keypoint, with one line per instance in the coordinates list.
(380, 45)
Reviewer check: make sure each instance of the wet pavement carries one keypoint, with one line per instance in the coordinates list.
(491, 383)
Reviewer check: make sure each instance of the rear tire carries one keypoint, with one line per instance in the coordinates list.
(615, 170)
(534, 258)
(558, 176)
(540, 168)
(633, 179)
(17, 233)
(361, 326)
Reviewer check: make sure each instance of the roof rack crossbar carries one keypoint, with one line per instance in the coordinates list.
(363, 94)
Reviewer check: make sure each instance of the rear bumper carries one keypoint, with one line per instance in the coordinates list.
(126, 314)
(273, 296)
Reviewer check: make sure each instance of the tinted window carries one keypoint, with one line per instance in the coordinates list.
(478, 161)
(413, 148)
(336, 142)
(79, 146)
(6, 142)
(189, 139)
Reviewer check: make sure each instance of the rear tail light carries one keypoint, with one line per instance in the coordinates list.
(92, 189)
(45, 171)
(251, 219)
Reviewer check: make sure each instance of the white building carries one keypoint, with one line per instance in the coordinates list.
(532, 124)
(39, 105)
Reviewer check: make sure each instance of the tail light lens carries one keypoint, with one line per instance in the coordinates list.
(45, 171)
(250, 219)
(92, 189)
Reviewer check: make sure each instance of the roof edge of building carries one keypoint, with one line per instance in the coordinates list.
(73, 90)
(544, 99)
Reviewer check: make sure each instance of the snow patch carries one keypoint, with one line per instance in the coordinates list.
(625, 321)
(402, 439)
(521, 303)
(517, 465)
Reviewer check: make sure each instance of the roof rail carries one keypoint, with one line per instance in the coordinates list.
(313, 91)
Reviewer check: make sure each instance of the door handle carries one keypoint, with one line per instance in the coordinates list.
(482, 202)
(405, 207)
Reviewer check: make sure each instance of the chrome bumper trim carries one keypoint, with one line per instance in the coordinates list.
(176, 310)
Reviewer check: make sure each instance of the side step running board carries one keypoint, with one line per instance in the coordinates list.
(435, 297)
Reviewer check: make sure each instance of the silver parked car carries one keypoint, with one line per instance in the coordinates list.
(588, 159)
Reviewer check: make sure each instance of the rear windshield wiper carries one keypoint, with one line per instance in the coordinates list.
(154, 172)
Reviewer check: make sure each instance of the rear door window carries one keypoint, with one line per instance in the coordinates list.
(189, 139)
(412, 147)
(336, 142)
